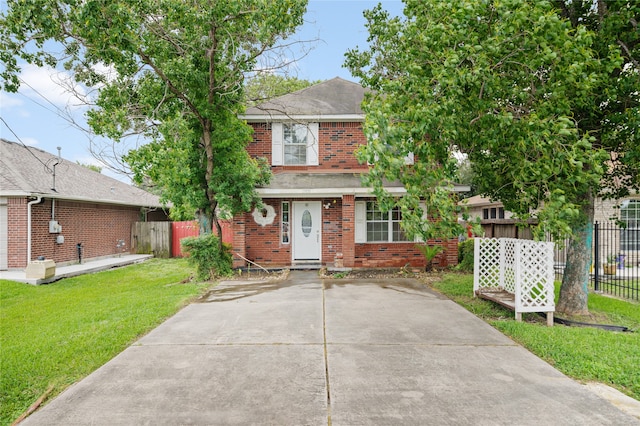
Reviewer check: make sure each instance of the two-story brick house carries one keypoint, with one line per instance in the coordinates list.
(315, 209)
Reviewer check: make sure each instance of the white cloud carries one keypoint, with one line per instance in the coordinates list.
(47, 85)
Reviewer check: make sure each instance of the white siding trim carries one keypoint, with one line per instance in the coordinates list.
(276, 144)
(313, 146)
(361, 222)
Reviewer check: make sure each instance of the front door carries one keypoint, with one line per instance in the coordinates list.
(307, 230)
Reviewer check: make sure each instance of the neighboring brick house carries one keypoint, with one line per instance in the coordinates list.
(316, 210)
(45, 216)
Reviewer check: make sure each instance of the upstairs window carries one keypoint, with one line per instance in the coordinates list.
(630, 216)
(294, 144)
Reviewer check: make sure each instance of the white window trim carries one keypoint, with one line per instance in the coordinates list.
(628, 247)
(361, 226)
(277, 145)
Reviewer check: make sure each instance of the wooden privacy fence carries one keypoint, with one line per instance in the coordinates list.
(151, 238)
(162, 239)
(190, 228)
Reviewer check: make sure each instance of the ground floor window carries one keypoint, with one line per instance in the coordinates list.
(383, 226)
(630, 217)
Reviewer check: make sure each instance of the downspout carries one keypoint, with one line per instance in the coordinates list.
(29, 204)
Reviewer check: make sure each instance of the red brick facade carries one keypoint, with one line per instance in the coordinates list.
(102, 229)
(263, 244)
(337, 142)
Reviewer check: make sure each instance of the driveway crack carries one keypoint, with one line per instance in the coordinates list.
(326, 357)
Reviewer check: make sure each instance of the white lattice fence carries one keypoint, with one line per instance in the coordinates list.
(522, 269)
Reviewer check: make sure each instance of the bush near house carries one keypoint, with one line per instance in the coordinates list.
(465, 256)
(205, 254)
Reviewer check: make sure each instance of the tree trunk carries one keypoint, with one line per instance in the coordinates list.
(204, 222)
(574, 290)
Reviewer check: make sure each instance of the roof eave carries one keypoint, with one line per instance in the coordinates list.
(20, 193)
(267, 118)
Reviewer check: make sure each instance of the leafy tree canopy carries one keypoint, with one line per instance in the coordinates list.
(90, 166)
(176, 73)
(265, 86)
(543, 98)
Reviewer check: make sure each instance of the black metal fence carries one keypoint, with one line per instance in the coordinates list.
(615, 267)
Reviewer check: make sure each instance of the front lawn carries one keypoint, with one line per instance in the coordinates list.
(54, 335)
(586, 354)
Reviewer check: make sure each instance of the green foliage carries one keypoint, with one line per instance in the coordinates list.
(93, 167)
(465, 255)
(59, 333)
(429, 252)
(264, 86)
(177, 73)
(210, 258)
(540, 99)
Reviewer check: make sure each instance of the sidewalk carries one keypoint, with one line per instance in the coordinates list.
(308, 351)
(86, 267)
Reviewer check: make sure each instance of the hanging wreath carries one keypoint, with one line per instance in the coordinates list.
(265, 215)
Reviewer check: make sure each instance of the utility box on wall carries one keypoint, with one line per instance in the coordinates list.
(54, 227)
(40, 269)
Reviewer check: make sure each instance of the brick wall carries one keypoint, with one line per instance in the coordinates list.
(263, 245)
(337, 143)
(17, 227)
(102, 229)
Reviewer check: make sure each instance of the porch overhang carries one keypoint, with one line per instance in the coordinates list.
(327, 185)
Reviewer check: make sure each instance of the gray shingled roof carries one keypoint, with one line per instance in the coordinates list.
(330, 184)
(335, 97)
(23, 172)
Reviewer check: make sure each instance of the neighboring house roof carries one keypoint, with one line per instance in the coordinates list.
(333, 184)
(479, 201)
(335, 99)
(28, 171)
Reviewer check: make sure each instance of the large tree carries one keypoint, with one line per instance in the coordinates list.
(542, 98)
(177, 74)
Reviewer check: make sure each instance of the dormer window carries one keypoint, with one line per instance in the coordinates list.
(294, 144)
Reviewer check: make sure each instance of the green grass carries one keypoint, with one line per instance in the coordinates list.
(54, 335)
(586, 354)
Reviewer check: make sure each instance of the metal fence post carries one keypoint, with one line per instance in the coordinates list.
(596, 255)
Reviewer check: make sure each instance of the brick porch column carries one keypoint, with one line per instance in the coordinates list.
(239, 240)
(348, 230)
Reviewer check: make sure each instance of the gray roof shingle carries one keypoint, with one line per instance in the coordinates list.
(27, 171)
(335, 97)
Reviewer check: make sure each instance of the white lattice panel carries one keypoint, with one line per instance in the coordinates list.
(486, 266)
(535, 277)
(523, 268)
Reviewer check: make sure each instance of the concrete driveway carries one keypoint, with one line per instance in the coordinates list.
(308, 351)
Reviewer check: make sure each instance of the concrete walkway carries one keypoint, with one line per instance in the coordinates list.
(86, 267)
(308, 351)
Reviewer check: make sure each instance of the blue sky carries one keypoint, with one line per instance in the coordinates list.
(41, 114)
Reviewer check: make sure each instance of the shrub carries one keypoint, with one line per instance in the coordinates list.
(204, 253)
(429, 253)
(465, 256)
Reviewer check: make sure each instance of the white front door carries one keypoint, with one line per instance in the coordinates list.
(307, 230)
